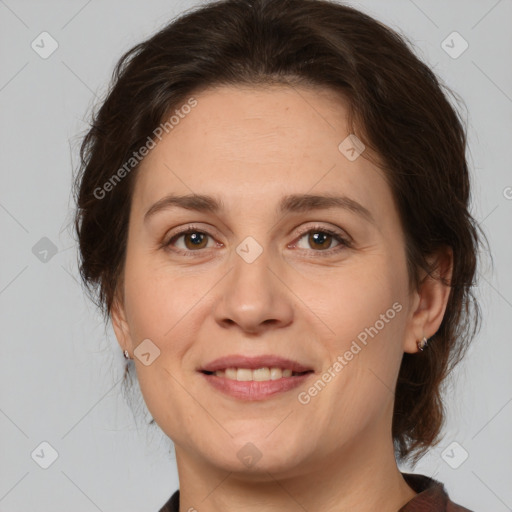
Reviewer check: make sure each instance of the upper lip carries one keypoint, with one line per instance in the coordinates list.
(253, 363)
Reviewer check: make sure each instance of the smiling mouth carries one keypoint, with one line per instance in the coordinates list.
(257, 384)
(259, 374)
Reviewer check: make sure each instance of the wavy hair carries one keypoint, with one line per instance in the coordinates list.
(397, 107)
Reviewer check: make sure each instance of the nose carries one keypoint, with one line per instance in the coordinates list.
(254, 296)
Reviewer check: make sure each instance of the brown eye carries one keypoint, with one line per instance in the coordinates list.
(320, 239)
(197, 240)
(193, 240)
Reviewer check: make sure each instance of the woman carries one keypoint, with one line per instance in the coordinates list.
(273, 208)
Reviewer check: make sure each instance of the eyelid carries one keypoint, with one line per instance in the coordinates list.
(345, 241)
(190, 228)
(333, 231)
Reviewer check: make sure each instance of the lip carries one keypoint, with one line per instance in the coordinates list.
(253, 363)
(254, 390)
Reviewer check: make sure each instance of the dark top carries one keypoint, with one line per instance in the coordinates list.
(431, 497)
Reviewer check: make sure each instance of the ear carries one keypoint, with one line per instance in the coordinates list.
(120, 325)
(429, 301)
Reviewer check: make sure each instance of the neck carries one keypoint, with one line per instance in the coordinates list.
(361, 478)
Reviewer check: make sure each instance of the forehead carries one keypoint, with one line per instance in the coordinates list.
(258, 143)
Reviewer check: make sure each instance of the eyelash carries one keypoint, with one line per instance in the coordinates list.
(343, 242)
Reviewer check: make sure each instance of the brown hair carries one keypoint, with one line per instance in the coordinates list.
(397, 108)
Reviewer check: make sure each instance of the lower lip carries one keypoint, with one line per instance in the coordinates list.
(253, 389)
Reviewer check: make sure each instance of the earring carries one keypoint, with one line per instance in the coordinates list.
(126, 354)
(422, 344)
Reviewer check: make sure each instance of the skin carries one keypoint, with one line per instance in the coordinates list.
(250, 146)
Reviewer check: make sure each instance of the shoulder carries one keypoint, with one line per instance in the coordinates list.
(173, 504)
(431, 497)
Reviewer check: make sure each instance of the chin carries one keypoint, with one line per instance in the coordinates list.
(257, 456)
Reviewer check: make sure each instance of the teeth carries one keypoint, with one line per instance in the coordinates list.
(261, 374)
(230, 373)
(276, 373)
(244, 374)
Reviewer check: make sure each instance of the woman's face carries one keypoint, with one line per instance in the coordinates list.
(263, 274)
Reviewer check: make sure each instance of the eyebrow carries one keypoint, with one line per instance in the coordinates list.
(294, 203)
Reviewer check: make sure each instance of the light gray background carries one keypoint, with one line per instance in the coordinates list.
(60, 374)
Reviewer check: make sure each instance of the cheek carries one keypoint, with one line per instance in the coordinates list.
(156, 298)
(355, 300)
(365, 312)
(159, 308)
(163, 306)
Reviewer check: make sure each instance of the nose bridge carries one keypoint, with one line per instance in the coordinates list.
(250, 267)
(252, 296)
